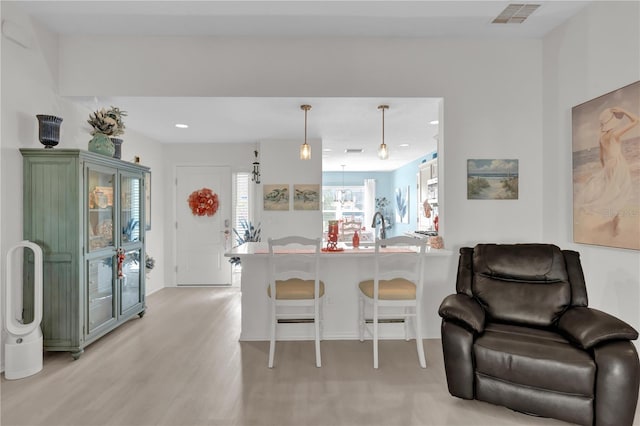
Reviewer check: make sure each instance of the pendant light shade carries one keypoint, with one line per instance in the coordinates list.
(305, 149)
(383, 151)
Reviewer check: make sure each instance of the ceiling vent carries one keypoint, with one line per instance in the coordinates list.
(515, 13)
(354, 150)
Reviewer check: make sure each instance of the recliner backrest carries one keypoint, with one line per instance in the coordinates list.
(521, 283)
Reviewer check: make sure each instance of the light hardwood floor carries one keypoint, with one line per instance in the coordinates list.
(182, 364)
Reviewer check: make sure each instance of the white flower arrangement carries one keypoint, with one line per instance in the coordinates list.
(107, 121)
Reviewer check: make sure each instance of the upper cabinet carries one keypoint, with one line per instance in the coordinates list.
(86, 211)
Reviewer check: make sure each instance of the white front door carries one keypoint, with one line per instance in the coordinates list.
(201, 240)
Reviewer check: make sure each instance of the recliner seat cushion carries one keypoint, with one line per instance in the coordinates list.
(521, 283)
(534, 358)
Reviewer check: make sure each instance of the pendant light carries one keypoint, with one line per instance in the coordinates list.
(342, 195)
(383, 151)
(305, 149)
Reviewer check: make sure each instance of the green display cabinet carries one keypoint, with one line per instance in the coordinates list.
(87, 213)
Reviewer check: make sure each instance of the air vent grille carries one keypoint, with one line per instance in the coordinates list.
(354, 150)
(515, 13)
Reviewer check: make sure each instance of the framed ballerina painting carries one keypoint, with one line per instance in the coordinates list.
(606, 169)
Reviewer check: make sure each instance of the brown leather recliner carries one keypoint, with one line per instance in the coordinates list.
(519, 333)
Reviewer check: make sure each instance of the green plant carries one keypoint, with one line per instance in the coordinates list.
(108, 122)
(250, 233)
(149, 262)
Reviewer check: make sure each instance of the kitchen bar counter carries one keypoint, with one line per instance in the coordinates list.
(340, 271)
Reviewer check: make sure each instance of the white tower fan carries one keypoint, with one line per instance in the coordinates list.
(23, 347)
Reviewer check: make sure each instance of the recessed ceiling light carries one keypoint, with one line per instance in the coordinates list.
(434, 122)
(404, 145)
(182, 126)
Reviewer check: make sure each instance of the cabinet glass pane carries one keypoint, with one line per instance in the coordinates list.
(131, 199)
(100, 208)
(100, 291)
(131, 269)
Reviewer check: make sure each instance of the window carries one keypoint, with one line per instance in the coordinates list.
(241, 203)
(351, 208)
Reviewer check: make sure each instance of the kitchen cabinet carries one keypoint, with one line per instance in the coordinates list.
(86, 211)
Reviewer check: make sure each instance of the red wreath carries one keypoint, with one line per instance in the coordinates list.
(203, 202)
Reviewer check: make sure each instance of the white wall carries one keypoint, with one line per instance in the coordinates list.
(29, 86)
(281, 164)
(594, 53)
(491, 90)
(492, 107)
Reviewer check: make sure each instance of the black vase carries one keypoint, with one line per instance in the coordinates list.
(117, 144)
(49, 130)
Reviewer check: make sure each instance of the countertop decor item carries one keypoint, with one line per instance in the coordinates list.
(355, 241)
(203, 202)
(332, 236)
(49, 130)
(106, 123)
(436, 242)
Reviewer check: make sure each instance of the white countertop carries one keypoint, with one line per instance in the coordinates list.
(262, 249)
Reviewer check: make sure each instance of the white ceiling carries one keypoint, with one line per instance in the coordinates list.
(339, 122)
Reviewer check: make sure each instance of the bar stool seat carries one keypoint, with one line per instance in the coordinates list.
(295, 289)
(394, 289)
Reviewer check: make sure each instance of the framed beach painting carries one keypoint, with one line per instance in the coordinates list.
(492, 179)
(276, 197)
(306, 197)
(606, 169)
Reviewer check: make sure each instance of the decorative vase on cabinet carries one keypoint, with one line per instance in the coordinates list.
(102, 144)
(93, 243)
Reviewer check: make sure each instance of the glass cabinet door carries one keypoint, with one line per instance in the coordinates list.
(100, 292)
(131, 201)
(130, 281)
(100, 209)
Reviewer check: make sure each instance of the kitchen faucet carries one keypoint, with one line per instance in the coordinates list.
(383, 231)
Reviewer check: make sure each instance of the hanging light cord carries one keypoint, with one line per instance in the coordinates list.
(305, 125)
(383, 126)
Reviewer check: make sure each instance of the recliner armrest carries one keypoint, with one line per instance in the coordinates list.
(588, 327)
(462, 308)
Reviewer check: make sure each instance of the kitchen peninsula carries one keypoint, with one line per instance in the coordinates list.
(340, 271)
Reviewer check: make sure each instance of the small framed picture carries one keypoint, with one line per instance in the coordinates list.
(306, 197)
(276, 197)
(492, 179)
